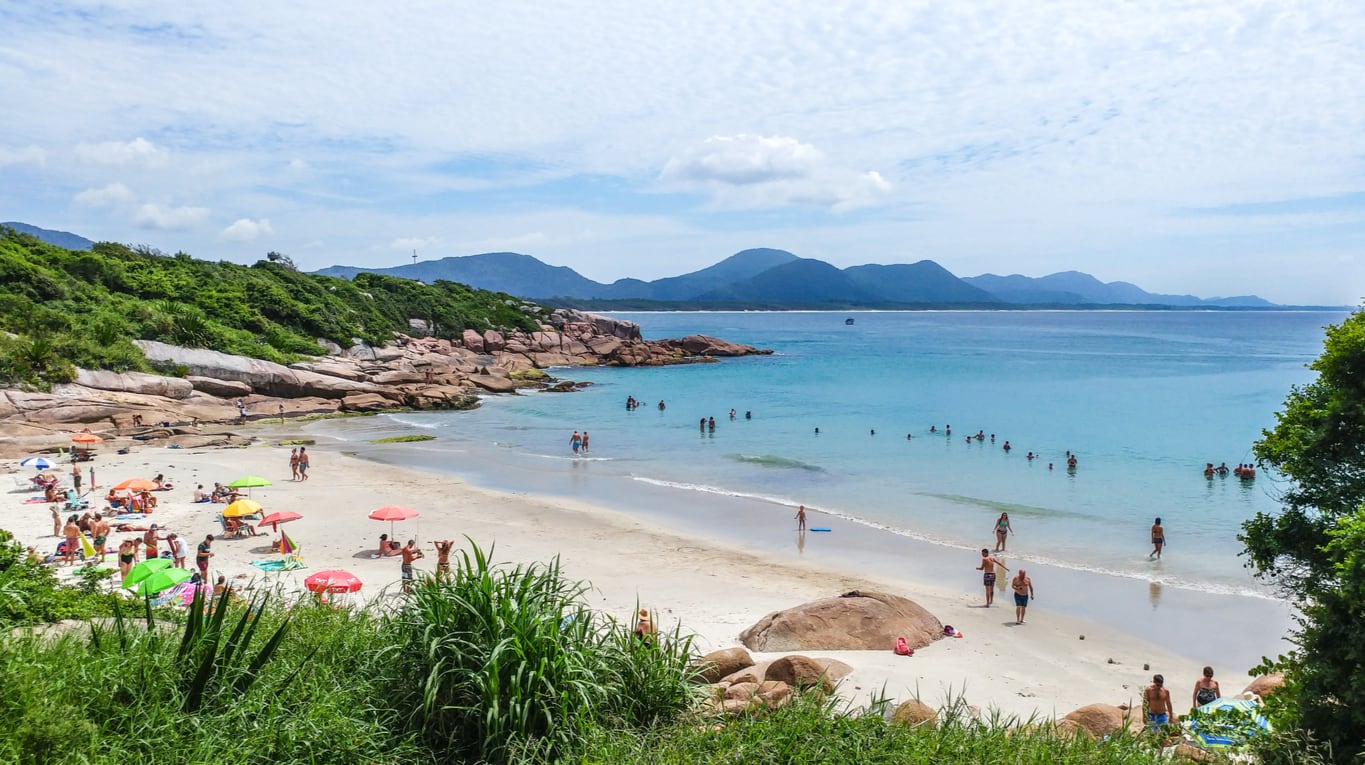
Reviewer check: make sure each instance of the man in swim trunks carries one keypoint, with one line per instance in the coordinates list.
(988, 566)
(71, 532)
(443, 558)
(99, 529)
(149, 540)
(1156, 701)
(410, 553)
(1023, 590)
(1158, 540)
(575, 442)
(202, 555)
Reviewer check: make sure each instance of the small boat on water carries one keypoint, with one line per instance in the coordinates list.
(848, 321)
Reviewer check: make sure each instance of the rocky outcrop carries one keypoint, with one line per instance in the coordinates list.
(718, 664)
(1099, 720)
(1266, 685)
(422, 372)
(804, 672)
(855, 621)
(915, 714)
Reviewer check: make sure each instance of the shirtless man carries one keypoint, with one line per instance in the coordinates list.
(149, 540)
(99, 529)
(72, 533)
(1023, 590)
(1156, 701)
(443, 558)
(410, 553)
(988, 567)
(1158, 540)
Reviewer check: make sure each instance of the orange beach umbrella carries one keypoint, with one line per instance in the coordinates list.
(86, 438)
(135, 484)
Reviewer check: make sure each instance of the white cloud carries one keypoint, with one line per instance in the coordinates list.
(750, 171)
(413, 242)
(246, 230)
(169, 218)
(111, 195)
(138, 151)
(29, 155)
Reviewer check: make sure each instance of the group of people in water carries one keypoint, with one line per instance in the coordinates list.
(1072, 461)
(1245, 472)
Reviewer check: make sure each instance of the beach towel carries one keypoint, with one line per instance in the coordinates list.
(130, 517)
(34, 501)
(269, 565)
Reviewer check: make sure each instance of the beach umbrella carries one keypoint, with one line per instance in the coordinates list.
(41, 463)
(287, 545)
(135, 484)
(1228, 722)
(392, 513)
(145, 569)
(248, 482)
(86, 438)
(333, 581)
(164, 579)
(278, 517)
(241, 508)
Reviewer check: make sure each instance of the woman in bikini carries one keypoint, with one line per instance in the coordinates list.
(1206, 690)
(1002, 529)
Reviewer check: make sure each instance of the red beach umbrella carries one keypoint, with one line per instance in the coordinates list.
(281, 516)
(392, 513)
(333, 581)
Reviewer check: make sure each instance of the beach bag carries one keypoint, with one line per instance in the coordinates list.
(903, 648)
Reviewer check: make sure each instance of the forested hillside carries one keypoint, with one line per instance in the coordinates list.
(65, 308)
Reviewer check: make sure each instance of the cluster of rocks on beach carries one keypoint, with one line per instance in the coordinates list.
(414, 371)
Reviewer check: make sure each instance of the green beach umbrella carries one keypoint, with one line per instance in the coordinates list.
(145, 569)
(249, 482)
(164, 579)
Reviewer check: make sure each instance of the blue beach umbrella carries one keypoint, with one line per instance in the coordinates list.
(41, 463)
(1225, 723)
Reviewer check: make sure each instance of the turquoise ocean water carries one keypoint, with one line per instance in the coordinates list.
(1143, 398)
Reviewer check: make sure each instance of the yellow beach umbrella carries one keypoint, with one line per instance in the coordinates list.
(242, 507)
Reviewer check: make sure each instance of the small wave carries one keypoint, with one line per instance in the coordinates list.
(714, 490)
(424, 423)
(1009, 507)
(570, 457)
(773, 460)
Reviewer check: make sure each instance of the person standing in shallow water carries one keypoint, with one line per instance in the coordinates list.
(575, 442)
(801, 518)
(1002, 529)
(585, 442)
(1158, 540)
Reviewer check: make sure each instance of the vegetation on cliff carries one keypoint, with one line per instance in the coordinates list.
(60, 308)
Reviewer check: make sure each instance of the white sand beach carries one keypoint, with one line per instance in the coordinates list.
(712, 588)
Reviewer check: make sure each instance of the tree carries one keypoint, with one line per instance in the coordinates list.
(1314, 548)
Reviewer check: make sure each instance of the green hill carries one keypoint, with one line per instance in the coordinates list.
(64, 308)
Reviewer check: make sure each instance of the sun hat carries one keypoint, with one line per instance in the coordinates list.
(644, 612)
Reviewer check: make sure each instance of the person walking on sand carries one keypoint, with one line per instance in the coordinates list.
(56, 521)
(1158, 540)
(1002, 530)
(410, 553)
(988, 566)
(76, 477)
(801, 518)
(443, 558)
(303, 463)
(1023, 590)
(294, 464)
(1206, 690)
(575, 442)
(1156, 702)
(202, 555)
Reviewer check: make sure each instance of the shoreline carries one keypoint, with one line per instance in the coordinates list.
(713, 587)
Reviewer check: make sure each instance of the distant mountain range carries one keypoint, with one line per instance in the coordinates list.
(769, 278)
(64, 239)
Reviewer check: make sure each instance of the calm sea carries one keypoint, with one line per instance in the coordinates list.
(1144, 399)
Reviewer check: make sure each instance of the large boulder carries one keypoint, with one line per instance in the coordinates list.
(801, 672)
(220, 388)
(855, 621)
(264, 377)
(1266, 685)
(134, 382)
(1099, 720)
(705, 345)
(717, 664)
(473, 341)
(916, 714)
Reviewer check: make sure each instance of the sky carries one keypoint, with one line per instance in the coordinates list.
(1209, 148)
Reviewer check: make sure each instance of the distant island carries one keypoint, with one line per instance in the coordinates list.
(776, 279)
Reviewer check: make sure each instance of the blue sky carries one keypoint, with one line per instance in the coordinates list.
(1213, 148)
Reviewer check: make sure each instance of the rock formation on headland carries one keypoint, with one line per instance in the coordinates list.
(414, 371)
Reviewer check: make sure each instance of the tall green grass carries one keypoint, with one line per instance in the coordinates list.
(506, 662)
